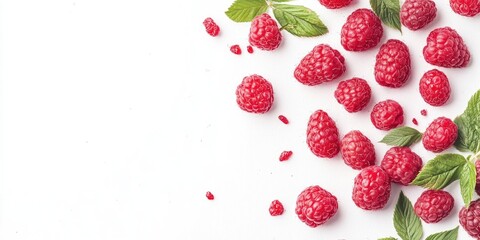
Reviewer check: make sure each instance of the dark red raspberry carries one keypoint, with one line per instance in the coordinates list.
(386, 115)
(211, 27)
(334, 4)
(264, 33)
(477, 166)
(354, 94)
(414, 121)
(255, 94)
(435, 88)
(249, 49)
(401, 164)
(434, 205)
(440, 135)
(315, 206)
(235, 49)
(468, 8)
(371, 189)
(392, 66)
(416, 14)
(322, 64)
(357, 150)
(285, 156)
(322, 135)
(209, 196)
(362, 31)
(283, 119)
(276, 208)
(470, 219)
(423, 112)
(445, 48)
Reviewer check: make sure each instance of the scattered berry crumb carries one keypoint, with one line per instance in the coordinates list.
(236, 49)
(249, 49)
(210, 196)
(285, 155)
(283, 119)
(276, 208)
(414, 120)
(423, 112)
(211, 27)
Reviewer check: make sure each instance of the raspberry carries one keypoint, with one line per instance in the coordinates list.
(470, 219)
(434, 88)
(416, 14)
(392, 66)
(414, 121)
(249, 49)
(357, 150)
(362, 31)
(315, 206)
(276, 208)
(334, 4)
(371, 189)
(401, 164)
(477, 166)
(210, 196)
(434, 205)
(468, 8)
(386, 115)
(211, 27)
(423, 112)
(322, 64)
(285, 156)
(283, 119)
(255, 94)
(322, 135)
(445, 48)
(235, 49)
(354, 94)
(264, 33)
(440, 135)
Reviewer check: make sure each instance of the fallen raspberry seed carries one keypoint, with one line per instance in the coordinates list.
(283, 119)
(285, 155)
(211, 27)
(414, 120)
(249, 49)
(423, 112)
(210, 196)
(276, 208)
(236, 49)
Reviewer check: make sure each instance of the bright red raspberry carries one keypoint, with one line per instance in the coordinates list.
(211, 27)
(315, 206)
(468, 8)
(470, 219)
(209, 196)
(477, 166)
(354, 94)
(255, 94)
(401, 164)
(435, 88)
(423, 112)
(283, 119)
(416, 14)
(357, 150)
(322, 64)
(322, 135)
(392, 66)
(387, 114)
(445, 48)
(440, 135)
(434, 205)
(249, 49)
(371, 189)
(276, 208)
(362, 31)
(264, 33)
(285, 156)
(334, 4)
(235, 49)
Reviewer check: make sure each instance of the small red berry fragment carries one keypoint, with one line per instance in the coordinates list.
(285, 155)
(434, 205)
(470, 219)
(416, 14)
(322, 135)
(276, 208)
(255, 94)
(371, 189)
(423, 112)
(249, 49)
(210, 196)
(392, 65)
(211, 27)
(467, 8)
(401, 164)
(435, 88)
(387, 114)
(283, 119)
(315, 206)
(445, 48)
(440, 135)
(362, 31)
(334, 4)
(264, 33)
(235, 49)
(414, 121)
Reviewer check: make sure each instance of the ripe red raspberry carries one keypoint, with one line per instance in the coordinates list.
(477, 166)
(354, 94)
(470, 219)
(386, 115)
(315, 206)
(211, 27)
(401, 164)
(434, 205)
(416, 14)
(334, 4)
(392, 66)
(357, 150)
(264, 33)
(322, 64)
(468, 8)
(276, 208)
(445, 48)
(440, 135)
(435, 88)
(322, 135)
(255, 94)
(371, 189)
(362, 31)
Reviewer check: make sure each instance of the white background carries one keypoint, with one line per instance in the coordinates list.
(118, 115)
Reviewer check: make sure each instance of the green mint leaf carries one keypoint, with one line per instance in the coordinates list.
(405, 220)
(469, 126)
(246, 10)
(447, 235)
(402, 136)
(299, 20)
(387, 238)
(468, 179)
(440, 171)
(388, 11)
